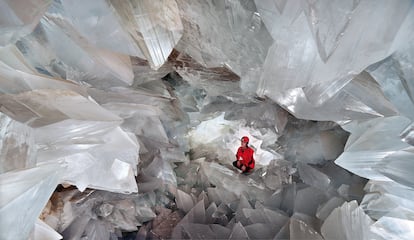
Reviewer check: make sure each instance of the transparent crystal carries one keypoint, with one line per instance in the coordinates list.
(347, 222)
(304, 67)
(301, 230)
(313, 177)
(184, 201)
(383, 197)
(407, 135)
(104, 28)
(397, 166)
(397, 224)
(238, 232)
(36, 184)
(154, 25)
(84, 62)
(374, 140)
(17, 146)
(44, 231)
(325, 209)
(19, 18)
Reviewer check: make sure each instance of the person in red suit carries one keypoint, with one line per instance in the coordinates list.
(244, 156)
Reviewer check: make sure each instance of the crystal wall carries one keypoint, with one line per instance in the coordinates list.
(120, 119)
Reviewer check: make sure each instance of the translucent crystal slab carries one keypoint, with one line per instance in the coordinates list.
(338, 175)
(17, 149)
(219, 196)
(207, 131)
(241, 214)
(379, 48)
(284, 233)
(328, 23)
(404, 54)
(184, 201)
(174, 155)
(76, 229)
(97, 230)
(273, 201)
(383, 197)
(211, 215)
(364, 88)
(88, 149)
(154, 25)
(128, 95)
(123, 216)
(238, 27)
(407, 135)
(161, 170)
(362, 130)
(104, 28)
(198, 231)
(196, 215)
(341, 107)
(220, 231)
(362, 163)
(238, 39)
(238, 232)
(258, 115)
(275, 179)
(304, 67)
(221, 214)
(347, 222)
(308, 200)
(288, 198)
(12, 57)
(301, 230)
(303, 141)
(115, 176)
(313, 177)
(397, 224)
(18, 18)
(302, 53)
(44, 231)
(261, 231)
(405, 35)
(23, 196)
(310, 221)
(379, 204)
(372, 144)
(12, 81)
(394, 83)
(390, 187)
(109, 211)
(83, 62)
(164, 220)
(325, 209)
(232, 182)
(202, 79)
(38, 109)
(118, 144)
(146, 123)
(398, 167)
(266, 216)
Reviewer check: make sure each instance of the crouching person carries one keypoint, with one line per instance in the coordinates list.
(244, 156)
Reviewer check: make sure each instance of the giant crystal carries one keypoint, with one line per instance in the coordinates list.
(18, 18)
(36, 184)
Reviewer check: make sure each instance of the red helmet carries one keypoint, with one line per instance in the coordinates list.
(245, 139)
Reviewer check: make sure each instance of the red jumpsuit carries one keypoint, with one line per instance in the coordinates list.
(246, 157)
